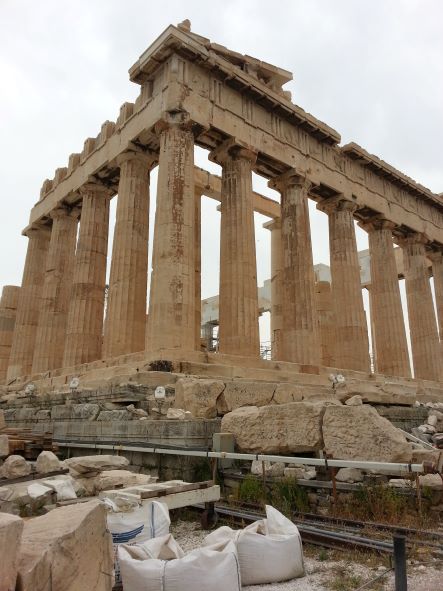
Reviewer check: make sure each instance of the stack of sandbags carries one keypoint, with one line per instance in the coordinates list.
(160, 564)
(132, 523)
(269, 550)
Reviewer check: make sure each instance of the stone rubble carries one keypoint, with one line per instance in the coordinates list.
(46, 462)
(14, 467)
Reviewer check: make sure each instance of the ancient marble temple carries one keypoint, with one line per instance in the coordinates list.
(194, 92)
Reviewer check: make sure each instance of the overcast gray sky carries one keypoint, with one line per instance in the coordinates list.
(373, 70)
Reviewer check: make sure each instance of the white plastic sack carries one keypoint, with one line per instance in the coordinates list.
(204, 569)
(269, 550)
(64, 489)
(139, 524)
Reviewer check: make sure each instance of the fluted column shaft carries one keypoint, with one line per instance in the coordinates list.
(51, 330)
(84, 333)
(437, 271)
(238, 315)
(326, 322)
(276, 287)
(125, 325)
(352, 343)
(422, 323)
(386, 310)
(198, 303)
(171, 321)
(300, 338)
(28, 308)
(8, 312)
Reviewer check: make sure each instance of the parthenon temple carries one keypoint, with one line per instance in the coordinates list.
(194, 92)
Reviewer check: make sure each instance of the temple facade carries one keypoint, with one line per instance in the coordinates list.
(197, 93)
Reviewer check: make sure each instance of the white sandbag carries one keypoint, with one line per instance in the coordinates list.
(269, 550)
(63, 488)
(142, 523)
(204, 569)
(138, 523)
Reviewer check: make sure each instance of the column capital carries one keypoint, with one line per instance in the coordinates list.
(179, 120)
(377, 223)
(337, 203)
(65, 211)
(413, 238)
(148, 158)
(233, 149)
(290, 178)
(435, 255)
(96, 187)
(37, 231)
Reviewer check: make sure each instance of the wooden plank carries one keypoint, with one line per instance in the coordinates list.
(32, 476)
(149, 494)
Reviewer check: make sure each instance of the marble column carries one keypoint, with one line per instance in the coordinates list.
(276, 287)
(8, 312)
(238, 297)
(300, 338)
(436, 257)
(197, 244)
(389, 331)
(351, 341)
(125, 325)
(29, 301)
(56, 291)
(171, 322)
(84, 332)
(426, 354)
(326, 322)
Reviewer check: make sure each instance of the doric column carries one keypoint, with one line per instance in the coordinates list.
(422, 323)
(326, 322)
(51, 329)
(276, 287)
(351, 341)
(28, 308)
(238, 297)
(436, 257)
(300, 339)
(84, 332)
(125, 325)
(386, 310)
(198, 303)
(171, 322)
(8, 312)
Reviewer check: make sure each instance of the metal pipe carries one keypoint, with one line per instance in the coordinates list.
(377, 466)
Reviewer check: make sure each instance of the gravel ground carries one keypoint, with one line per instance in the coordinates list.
(327, 575)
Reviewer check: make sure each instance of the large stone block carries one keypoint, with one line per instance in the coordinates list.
(284, 428)
(11, 528)
(287, 392)
(237, 394)
(199, 397)
(86, 412)
(2, 420)
(360, 433)
(69, 549)
(114, 415)
(88, 464)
